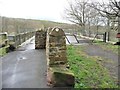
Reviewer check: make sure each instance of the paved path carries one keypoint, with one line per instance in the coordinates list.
(24, 68)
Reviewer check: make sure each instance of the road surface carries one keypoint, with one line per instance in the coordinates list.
(24, 68)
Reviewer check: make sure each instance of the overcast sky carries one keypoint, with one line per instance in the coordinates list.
(34, 9)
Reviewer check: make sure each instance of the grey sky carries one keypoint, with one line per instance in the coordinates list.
(36, 9)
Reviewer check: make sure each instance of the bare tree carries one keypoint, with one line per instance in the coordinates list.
(83, 14)
(109, 10)
(77, 13)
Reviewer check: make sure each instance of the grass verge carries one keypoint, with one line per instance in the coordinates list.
(89, 72)
(3, 50)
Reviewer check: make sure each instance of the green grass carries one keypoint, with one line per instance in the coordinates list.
(107, 46)
(89, 72)
(3, 51)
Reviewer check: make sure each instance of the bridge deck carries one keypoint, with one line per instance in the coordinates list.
(24, 68)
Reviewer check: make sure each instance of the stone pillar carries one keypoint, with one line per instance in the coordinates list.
(40, 39)
(58, 75)
(56, 45)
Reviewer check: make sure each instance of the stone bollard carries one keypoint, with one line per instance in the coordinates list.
(58, 75)
(40, 39)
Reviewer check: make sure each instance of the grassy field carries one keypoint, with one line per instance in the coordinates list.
(89, 72)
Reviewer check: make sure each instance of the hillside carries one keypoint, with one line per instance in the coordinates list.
(19, 25)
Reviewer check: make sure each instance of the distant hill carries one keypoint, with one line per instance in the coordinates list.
(19, 25)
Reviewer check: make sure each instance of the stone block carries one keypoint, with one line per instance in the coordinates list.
(60, 76)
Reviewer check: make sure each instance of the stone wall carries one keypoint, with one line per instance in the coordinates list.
(40, 39)
(58, 74)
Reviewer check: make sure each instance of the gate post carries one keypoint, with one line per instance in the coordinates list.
(104, 37)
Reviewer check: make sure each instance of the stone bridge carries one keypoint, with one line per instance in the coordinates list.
(53, 40)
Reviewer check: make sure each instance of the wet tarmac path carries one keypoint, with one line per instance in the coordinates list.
(24, 68)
